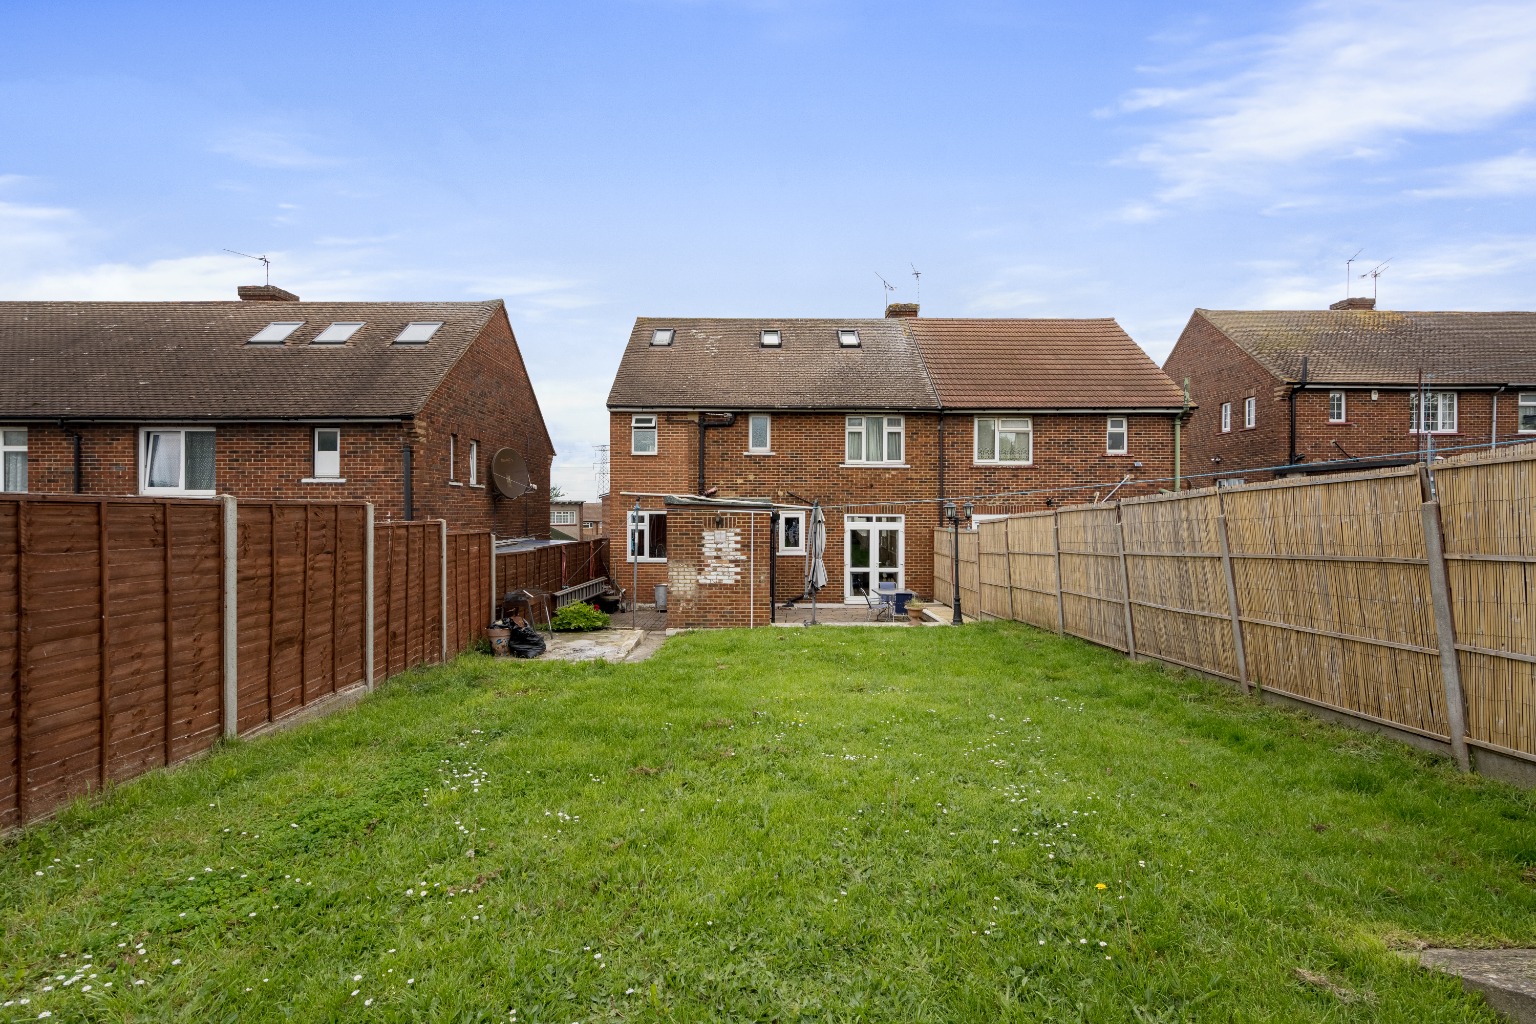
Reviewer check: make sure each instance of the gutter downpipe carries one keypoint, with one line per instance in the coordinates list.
(79, 480)
(1493, 439)
(1295, 387)
(773, 567)
(410, 505)
(1178, 438)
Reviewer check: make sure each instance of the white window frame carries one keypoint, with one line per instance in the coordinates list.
(787, 549)
(276, 333)
(1250, 412)
(11, 449)
(182, 489)
(890, 425)
(418, 332)
(1226, 417)
(1526, 400)
(1438, 398)
(453, 460)
(1125, 435)
(562, 517)
(474, 464)
(637, 423)
(648, 515)
(339, 333)
(662, 337)
(314, 467)
(771, 338)
(848, 337)
(997, 427)
(766, 448)
(1343, 410)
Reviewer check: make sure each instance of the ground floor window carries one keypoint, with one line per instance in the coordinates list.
(1441, 409)
(13, 472)
(647, 537)
(876, 555)
(1527, 412)
(176, 461)
(327, 453)
(1117, 440)
(791, 533)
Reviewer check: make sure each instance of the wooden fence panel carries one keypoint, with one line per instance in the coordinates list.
(469, 588)
(552, 568)
(1093, 591)
(1488, 509)
(996, 598)
(1031, 541)
(10, 662)
(943, 567)
(407, 596)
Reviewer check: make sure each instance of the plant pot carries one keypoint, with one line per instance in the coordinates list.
(499, 639)
(916, 615)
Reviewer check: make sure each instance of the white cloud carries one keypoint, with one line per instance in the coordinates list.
(267, 148)
(1510, 175)
(1349, 80)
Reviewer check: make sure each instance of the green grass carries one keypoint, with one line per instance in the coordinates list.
(832, 824)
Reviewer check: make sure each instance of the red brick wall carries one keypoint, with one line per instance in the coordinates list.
(486, 397)
(1219, 371)
(717, 569)
(806, 465)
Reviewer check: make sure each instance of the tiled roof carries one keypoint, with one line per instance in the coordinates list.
(720, 364)
(1385, 346)
(191, 360)
(901, 363)
(1041, 364)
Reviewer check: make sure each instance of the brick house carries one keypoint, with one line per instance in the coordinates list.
(1338, 389)
(592, 520)
(399, 403)
(878, 420)
(565, 519)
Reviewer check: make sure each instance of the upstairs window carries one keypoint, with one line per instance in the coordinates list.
(453, 458)
(276, 333)
(662, 336)
(418, 332)
(337, 333)
(175, 461)
(1527, 409)
(791, 533)
(1226, 417)
(759, 435)
(1117, 436)
(1005, 441)
(563, 517)
(13, 469)
(848, 339)
(1336, 407)
(474, 463)
(771, 339)
(1442, 412)
(642, 435)
(1250, 413)
(875, 440)
(327, 453)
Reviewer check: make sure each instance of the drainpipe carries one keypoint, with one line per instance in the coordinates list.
(79, 480)
(1295, 388)
(1178, 439)
(704, 425)
(410, 505)
(1493, 440)
(941, 454)
(773, 566)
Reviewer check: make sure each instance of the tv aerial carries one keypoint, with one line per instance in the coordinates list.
(266, 264)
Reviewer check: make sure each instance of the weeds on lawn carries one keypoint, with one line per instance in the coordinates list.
(986, 824)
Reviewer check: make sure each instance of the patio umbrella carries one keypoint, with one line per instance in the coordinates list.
(816, 575)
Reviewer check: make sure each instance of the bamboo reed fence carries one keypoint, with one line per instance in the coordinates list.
(134, 632)
(1402, 597)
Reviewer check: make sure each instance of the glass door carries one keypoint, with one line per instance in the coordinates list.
(875, 548)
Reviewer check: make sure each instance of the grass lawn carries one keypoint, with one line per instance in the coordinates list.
(978, 824)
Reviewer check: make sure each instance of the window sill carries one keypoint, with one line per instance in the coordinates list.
(478, 487)
(873, 465)
(455, 483)
(157, 493)
(646, 561)
(323, 480)
(1435, 433)
(646, 455)
(1117, 455)
(1003, 465)
(753, 454)
(796, 552)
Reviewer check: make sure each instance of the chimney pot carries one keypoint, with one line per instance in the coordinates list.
(266, 293)
(901, 311)
(1355, 303)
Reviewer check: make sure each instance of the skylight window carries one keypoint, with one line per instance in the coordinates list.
(418, 332)
(662, 336)
(337, 333)
(772, 339)
(848, 339)
(276, 333)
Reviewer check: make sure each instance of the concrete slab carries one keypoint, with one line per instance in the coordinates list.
(1506, 978)
(609, 644)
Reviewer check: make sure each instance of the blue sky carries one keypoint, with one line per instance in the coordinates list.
(590, 162)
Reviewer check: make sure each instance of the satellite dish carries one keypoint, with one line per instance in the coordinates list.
(510, 474)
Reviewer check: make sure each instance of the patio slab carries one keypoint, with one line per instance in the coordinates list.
(1506, 978)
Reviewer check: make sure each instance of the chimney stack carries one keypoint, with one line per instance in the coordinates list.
(1355, 303)
(266, 293)
(901, 311)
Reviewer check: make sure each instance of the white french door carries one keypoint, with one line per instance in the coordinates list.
(874, 549)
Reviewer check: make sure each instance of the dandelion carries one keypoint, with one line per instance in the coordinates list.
(1101, 885)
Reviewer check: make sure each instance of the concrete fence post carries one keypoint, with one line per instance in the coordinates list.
(231, 613)
(1445, 630)
(442, 550)
(1061, 601)
(368, 597)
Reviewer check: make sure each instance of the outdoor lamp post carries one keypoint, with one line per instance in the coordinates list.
(952, 516)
